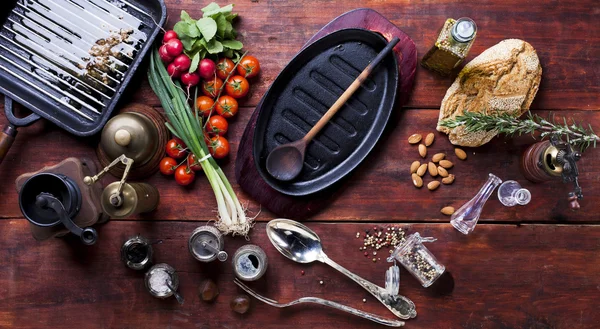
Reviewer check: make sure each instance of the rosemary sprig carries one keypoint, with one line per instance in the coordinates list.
(575, 134)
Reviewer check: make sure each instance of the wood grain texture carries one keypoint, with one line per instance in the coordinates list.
(565, 35)
(504, 277)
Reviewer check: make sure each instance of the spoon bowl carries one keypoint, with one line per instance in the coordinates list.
(295, 241)
(285, 162)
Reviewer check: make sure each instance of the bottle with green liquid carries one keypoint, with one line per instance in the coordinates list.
(452, 45)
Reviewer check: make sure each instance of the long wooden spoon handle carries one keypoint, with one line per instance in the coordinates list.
(349, 92)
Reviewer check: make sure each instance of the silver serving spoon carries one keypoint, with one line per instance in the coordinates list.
(300, 244)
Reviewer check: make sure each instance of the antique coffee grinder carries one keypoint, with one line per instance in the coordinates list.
(550, 159)
(139, 133)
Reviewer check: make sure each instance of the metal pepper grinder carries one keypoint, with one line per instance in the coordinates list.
(121, 199)
(549, 159)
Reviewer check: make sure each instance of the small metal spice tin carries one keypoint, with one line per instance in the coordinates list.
(206, 244)
(137, 253)
(418, 260)
(162, 281)
(250, 262)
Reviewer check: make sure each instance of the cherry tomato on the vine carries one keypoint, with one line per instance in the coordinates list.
(211, 87)
(167, 166)
(175, 149)
(193, 162)
(218, 147)
(237, 86)
(204, 104)
(217, 125)
(184, 175)
(248, 67)
(227, 106)
(224, 67)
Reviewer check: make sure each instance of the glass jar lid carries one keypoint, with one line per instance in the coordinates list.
(464, 30)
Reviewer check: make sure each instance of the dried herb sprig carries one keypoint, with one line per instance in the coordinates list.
(574, 133)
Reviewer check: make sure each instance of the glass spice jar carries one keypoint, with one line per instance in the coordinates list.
(452, 45)
(418, 260)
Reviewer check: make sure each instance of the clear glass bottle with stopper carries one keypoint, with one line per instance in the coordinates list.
(465, 218)
(510, 193)
(452, 45)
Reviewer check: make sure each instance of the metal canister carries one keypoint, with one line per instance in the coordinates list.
(135, 198)
(162, 281)
(206, 244)
(539, 162)
(137, 253)
(250, 262)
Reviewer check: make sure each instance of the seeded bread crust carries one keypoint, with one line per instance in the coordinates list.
(503, 79)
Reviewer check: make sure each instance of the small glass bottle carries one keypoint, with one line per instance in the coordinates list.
(511, 193)
(417, 260)
(465, 218)
(452, 45)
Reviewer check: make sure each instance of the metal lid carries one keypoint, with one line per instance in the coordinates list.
(464, 30)
(132, 134)
(206, 244)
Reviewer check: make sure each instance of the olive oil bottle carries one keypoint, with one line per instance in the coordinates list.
(452, 46)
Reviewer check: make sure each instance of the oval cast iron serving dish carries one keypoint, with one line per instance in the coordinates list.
(305, 90)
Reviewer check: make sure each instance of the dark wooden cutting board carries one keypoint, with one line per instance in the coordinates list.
(299, 208)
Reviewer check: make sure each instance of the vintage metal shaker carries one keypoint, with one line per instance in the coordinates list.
(206, 244)
(250, 262)
(452, 45)
(137, 253)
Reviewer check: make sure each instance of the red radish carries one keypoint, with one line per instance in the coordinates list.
(173, 71)
(190, 79)
(164, 55)
(182, 62)
(174, 47)
(169, 35)
(207, 68)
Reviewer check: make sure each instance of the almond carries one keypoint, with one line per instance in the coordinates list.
(414, 166)
(438, 156)
(414, 138)
(447, 211)
(446, 164)
(442, 172)
(429, 139)
(448, 180)
(422, 169)
(422, 150)
(432, 169)
(417, 180)
(433, 185)
(460, 154)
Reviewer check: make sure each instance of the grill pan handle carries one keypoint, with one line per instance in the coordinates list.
(8, 134)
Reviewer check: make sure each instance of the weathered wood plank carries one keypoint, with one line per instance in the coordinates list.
(532, 276)
(380, 190)
(565, 35)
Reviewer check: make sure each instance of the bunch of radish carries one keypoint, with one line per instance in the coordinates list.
(178, 63)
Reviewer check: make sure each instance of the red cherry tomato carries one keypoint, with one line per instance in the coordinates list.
(175, 149)
(217, 125)
(224, 67)
(237, 87)
(227, 106)
(167, 166)
(211, 87)
(218, 147)
(184, 175)
(193, 163)
(248, 67)
(204, 105)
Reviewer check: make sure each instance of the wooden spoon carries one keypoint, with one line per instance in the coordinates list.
(285, 161)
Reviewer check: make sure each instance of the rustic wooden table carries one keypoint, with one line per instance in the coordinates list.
(524, 267)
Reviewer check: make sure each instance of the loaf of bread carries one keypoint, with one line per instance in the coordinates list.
(503, 79)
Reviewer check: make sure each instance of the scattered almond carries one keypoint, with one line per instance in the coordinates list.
(447, 211)
(417, 180)
(422, 150)
(432, 169)
(438, 156)
(414, 138)
(448, 180)
(414, 166)
(433, 185)
(422, 169)
(460, 154)
(446, 164)
(429, 139)
(442, 172)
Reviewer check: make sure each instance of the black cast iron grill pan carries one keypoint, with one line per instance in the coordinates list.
(54, 59)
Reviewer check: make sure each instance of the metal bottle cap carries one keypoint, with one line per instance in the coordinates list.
(132, 134)
(464, 30)
(206, 244)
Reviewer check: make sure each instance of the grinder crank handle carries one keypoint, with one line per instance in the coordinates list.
(87, 235)
(8, 134)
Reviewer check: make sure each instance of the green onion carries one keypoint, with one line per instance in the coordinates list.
(185, 123)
